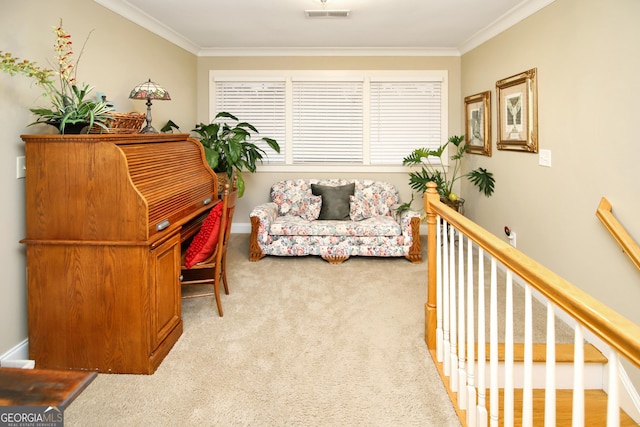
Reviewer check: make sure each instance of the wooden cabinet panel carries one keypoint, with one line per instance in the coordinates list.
(85, 307)
(165, 290)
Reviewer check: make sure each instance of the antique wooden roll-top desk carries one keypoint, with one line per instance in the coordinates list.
(105, 217)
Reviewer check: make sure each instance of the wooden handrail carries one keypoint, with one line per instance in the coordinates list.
(611, 327)
(629, 246)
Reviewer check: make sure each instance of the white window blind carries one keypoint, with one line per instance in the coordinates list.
(337, 117)
(260, 103)
(327, 122)
(404, 115)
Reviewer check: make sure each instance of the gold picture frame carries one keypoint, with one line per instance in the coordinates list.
(477, 118)
(518, 112)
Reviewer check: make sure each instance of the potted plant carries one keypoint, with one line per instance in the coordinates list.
(70, 109)
(229, 149)
(435, 172)
(169, 127)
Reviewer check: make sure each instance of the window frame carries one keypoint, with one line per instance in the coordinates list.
(366, 75)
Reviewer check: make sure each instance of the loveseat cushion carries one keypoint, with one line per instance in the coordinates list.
(335, 200)
(294, 198)
(296, 226)
(289, 195)
(361, 207)
(310, 207)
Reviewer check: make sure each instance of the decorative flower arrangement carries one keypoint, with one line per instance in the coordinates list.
(70, 106)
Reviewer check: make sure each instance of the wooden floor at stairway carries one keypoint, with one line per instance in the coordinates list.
(595, 400)
(595, 408)
(564, 353)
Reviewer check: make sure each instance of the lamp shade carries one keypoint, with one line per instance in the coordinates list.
(149, 90)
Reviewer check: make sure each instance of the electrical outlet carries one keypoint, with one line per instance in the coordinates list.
(21, 167)
(511, 235)
(544, 158)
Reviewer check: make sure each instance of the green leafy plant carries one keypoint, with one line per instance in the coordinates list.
(434, 171)
(229, 149)
(73, 109)
(69, 102)
(169, 127)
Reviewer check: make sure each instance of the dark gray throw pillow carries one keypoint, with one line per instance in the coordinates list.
(335, 200)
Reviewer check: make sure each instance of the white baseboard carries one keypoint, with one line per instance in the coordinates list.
(19, 352)
(19, 364)
(241, 228)
(564, 375)
(627, 393)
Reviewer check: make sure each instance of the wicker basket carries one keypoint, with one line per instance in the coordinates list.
(122, 123)
(223, 179)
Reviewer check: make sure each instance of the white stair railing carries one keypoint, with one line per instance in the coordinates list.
(481, 407)
(577, 411)
(493, 346)
(527, 388)
(471, 390)
(453, 319)
(462, 337)
(461, 323)
(550, 370)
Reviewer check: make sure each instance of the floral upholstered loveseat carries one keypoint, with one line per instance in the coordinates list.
(334, 219)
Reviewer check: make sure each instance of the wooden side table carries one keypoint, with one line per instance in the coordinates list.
(42, 387)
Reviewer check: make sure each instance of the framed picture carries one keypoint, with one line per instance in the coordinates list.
(518, 112)
(477, 118)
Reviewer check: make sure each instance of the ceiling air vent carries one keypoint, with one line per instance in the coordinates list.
(327, 13)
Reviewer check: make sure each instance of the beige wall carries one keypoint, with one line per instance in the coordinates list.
(259, 184)
(586, 53)
(118, 55)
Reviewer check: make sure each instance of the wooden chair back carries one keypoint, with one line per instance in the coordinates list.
(213, 269)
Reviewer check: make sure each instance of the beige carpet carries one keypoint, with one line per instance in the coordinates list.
(302, 343)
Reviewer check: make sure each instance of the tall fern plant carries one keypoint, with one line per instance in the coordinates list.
(433, 171)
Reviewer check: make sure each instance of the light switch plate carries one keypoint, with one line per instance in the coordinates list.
(544, 158)
(21, 167)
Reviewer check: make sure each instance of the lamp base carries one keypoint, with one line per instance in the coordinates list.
(148, 129)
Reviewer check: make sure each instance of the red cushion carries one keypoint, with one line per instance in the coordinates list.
(204, 243)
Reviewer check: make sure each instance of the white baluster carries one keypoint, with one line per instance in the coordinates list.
(613, 405)
(453, 336)
(508, 353)
(481, 413)
(439, 332)
(446, 348)
(577, 413)
(493, 346)
(471, 390)
(550, 370)
(462, 374)
(527, 392)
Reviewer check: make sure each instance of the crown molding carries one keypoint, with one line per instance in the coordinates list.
(139, 17)
(333, 51)
(504, 22)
